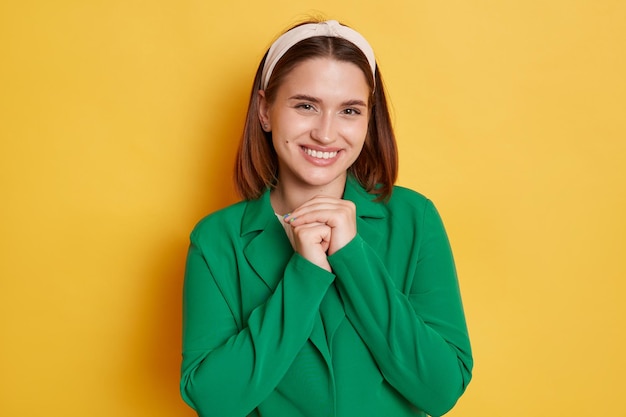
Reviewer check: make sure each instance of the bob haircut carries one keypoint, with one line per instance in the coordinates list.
(376, 168)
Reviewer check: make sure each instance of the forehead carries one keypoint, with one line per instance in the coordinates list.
(326, 75)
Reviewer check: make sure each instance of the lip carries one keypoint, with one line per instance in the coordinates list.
(317, 160)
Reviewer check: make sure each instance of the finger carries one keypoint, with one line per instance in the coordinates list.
(312, 233)
(320, 203)
(333, 214)
(312, 242)
(315, 201)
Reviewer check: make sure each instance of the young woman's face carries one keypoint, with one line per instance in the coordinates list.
(319, 121)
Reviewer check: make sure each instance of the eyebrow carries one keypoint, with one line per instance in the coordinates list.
(354, 102)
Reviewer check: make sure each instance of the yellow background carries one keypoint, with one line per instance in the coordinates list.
(119, 122)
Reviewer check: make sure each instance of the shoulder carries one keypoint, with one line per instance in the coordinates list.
(404, 205)
(409, 209)
(226, 220)
(408, 199)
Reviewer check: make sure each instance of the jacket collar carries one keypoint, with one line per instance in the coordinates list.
(368, 212)
(259, 213)
(366, 207)
(269, 251)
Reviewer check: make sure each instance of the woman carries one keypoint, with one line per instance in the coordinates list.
(327, 291)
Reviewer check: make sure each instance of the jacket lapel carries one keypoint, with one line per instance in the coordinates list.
(369, 214)
(269, 250)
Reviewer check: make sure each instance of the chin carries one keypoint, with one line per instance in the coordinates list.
(322, 180)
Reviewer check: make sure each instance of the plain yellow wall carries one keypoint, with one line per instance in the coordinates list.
(118, 126)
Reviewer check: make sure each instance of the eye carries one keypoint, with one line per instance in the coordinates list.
(352, 111)
(305, 106)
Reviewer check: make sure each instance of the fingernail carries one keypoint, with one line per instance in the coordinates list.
(292, 220)
(286, 215)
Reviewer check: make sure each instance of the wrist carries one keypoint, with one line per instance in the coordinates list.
(338, 243)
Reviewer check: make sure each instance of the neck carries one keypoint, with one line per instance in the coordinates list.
(287, 197)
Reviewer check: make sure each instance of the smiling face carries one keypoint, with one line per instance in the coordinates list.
(318, 121)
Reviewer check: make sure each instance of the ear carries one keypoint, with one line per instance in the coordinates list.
(264, 112)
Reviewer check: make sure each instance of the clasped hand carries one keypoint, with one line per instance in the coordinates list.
(321, 227)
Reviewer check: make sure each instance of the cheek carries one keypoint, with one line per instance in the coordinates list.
(357, 133)
(291, 126)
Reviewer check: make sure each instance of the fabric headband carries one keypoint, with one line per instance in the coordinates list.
(330, 28)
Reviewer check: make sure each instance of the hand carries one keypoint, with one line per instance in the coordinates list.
(337, 214)
(311, 240)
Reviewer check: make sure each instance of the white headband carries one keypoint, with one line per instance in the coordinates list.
(330, 28)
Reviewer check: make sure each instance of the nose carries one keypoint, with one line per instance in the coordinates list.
(324, 129)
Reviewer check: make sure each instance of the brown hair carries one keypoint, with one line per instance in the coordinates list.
(376, 168)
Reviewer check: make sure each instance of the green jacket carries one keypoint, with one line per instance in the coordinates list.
(267, 333)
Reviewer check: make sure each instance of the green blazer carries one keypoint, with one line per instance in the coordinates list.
(267, 333)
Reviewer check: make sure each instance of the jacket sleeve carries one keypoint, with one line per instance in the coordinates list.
(228, 371)
(417, 337)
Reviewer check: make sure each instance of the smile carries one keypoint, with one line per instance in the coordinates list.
(319, 154)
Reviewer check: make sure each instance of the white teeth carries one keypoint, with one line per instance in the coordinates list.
(320, 154)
